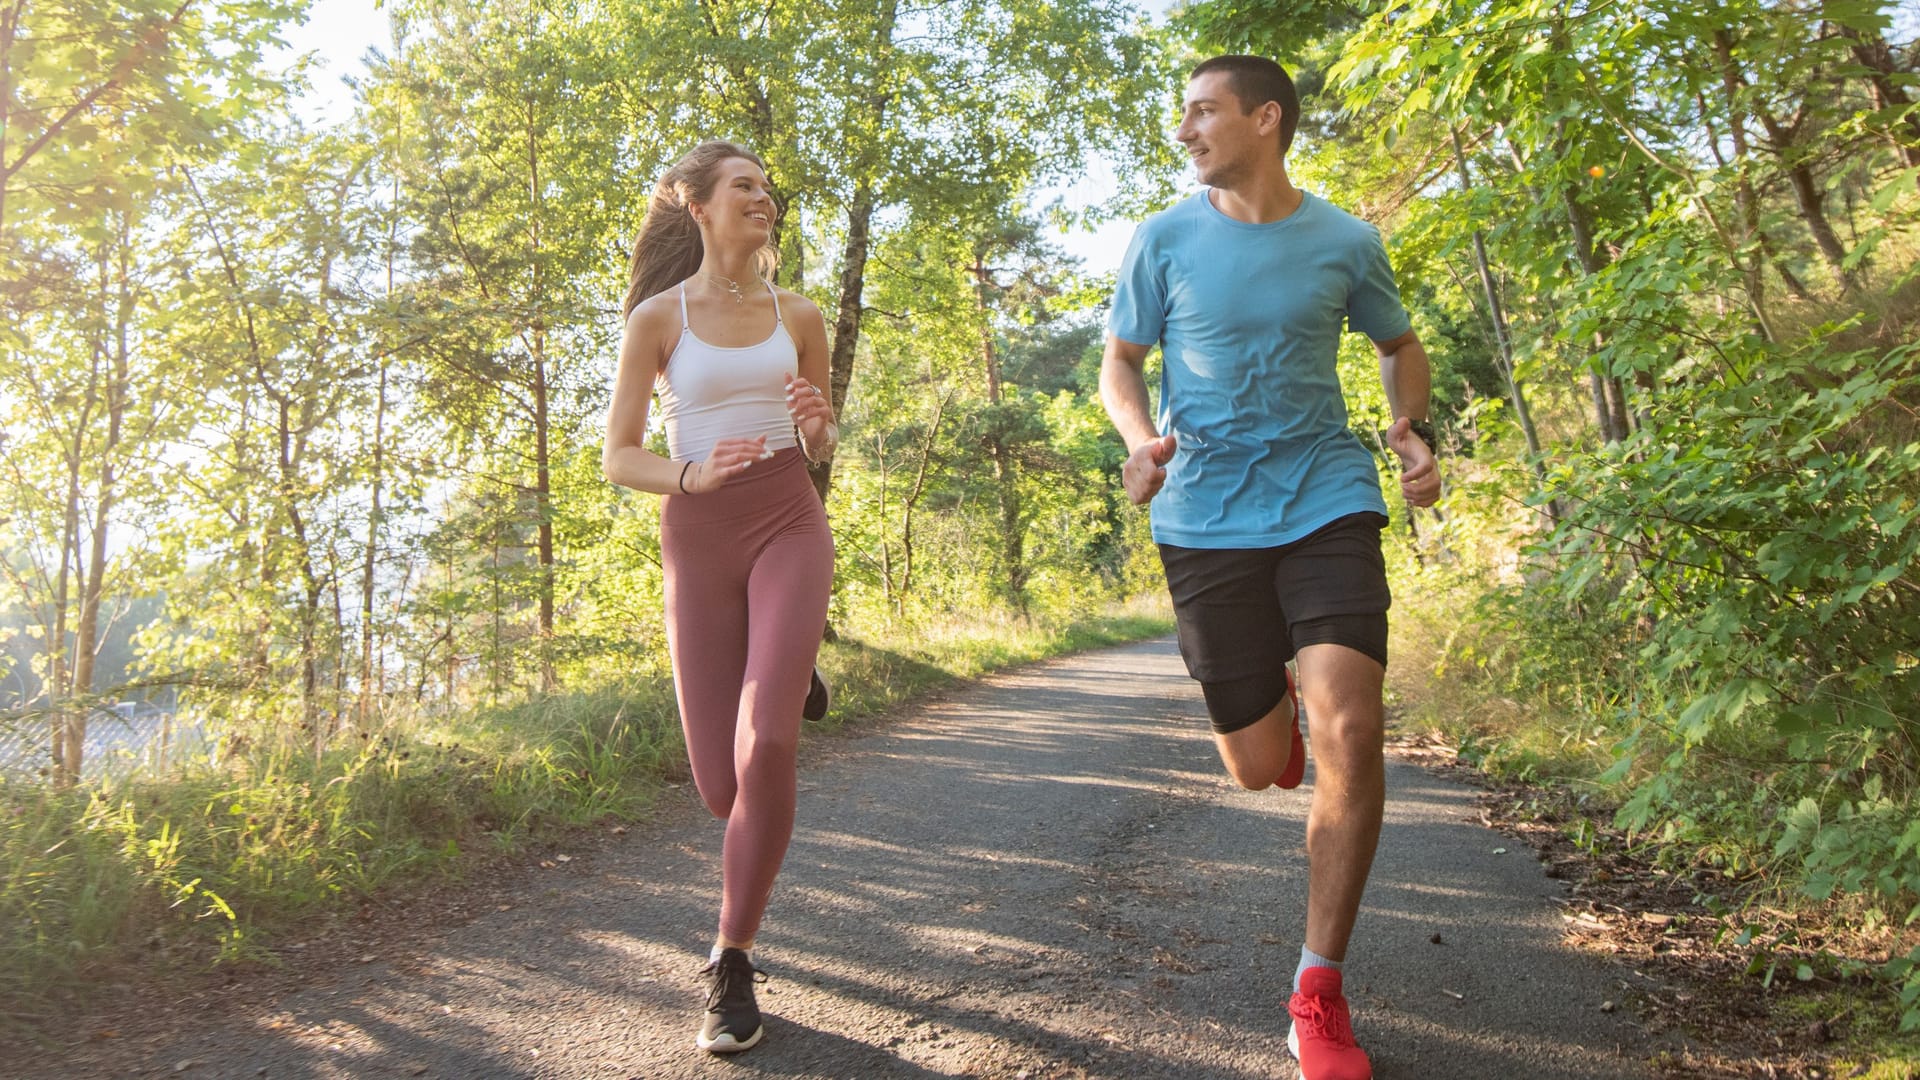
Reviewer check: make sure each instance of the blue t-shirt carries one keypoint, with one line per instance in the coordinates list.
(1248, 319)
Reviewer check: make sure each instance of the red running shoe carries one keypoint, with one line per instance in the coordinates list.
(1321, 1038)
(1296, 769)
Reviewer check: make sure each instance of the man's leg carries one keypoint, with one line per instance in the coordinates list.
(1233, 637)
(1342, 688)
(1257, 755)
(1333, 586)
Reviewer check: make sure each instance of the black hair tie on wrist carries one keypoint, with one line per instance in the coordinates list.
(683, 478)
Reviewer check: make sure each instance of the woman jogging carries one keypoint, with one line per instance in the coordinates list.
(737, 364)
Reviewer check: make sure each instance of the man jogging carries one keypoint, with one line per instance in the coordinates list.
(1267, 509)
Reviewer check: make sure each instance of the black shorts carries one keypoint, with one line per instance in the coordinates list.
(1243, 612)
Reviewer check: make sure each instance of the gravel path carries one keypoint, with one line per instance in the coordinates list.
(1044, 875)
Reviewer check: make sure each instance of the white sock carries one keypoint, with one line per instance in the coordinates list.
(714, 956)
(1309, 958)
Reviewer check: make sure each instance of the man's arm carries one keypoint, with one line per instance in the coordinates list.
(1408, 380)
(1405, 373)
(1123, 390)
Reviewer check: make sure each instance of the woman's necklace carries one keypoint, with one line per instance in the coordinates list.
(733, 286)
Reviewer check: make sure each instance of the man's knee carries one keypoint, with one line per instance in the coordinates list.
(1350, 731)
(1250, 777)
(1342, 688)
(1255, 754)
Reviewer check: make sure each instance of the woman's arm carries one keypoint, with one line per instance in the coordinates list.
(625, 459)
(812, 412)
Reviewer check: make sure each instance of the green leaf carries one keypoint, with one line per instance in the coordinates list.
(1902, 183)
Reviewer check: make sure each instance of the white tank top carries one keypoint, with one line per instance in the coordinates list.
(711, 392)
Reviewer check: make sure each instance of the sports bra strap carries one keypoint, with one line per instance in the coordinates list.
(775, 293)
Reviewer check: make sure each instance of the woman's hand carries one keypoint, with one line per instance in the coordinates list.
(812, 415)
(729, 459)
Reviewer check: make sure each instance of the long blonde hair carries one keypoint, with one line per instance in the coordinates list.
(669, 249)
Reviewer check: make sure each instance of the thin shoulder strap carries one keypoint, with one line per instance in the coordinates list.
(777, 319)
(684, 324)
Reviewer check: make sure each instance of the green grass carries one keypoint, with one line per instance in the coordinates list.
(211, 866)
(1869, 1021)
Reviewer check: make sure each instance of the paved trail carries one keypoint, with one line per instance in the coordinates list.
(1044, 876)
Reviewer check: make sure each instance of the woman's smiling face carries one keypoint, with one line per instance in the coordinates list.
(742, 203)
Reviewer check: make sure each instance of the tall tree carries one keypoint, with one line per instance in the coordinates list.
(273, 325)
(97, 102)
(510, 159)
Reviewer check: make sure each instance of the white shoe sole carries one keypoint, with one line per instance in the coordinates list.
(727, 1044)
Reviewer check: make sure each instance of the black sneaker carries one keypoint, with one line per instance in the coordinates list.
(732, 1023)
(818, 698)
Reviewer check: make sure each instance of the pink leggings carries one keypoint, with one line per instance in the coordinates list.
(748, 572)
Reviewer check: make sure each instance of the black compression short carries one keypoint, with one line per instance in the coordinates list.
(1243, 612)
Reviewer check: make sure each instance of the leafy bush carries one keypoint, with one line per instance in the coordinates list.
(1743, 568)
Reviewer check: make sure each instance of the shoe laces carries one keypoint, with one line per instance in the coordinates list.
(1324, 1018)
(733, 978)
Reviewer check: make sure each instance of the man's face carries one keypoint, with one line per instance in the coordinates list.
(1219, 133)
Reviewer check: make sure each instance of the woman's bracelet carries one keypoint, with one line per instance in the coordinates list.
(683, 478)
(832, 441)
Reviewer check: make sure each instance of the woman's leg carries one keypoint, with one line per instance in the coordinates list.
(706, 607)
(787, 596)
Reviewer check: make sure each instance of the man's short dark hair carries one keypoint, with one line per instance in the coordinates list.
(1256, 80)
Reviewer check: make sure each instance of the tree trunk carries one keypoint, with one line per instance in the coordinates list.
(913, 500)
(846, 325)
(310, 600)
(1006, 472)
(542, 435)
(1605, 387)
(1597, 393)
(69, 718)
(93, 585)
(1883, 80)
(453, 652)
(1813, 211)
(543, 499)
(289, 447)
(1744, 197)
(1806, 193)
(853, 266)
(884, 475)
(372, 688)
(369, 689)
(1503, 343)
(1617, 407)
